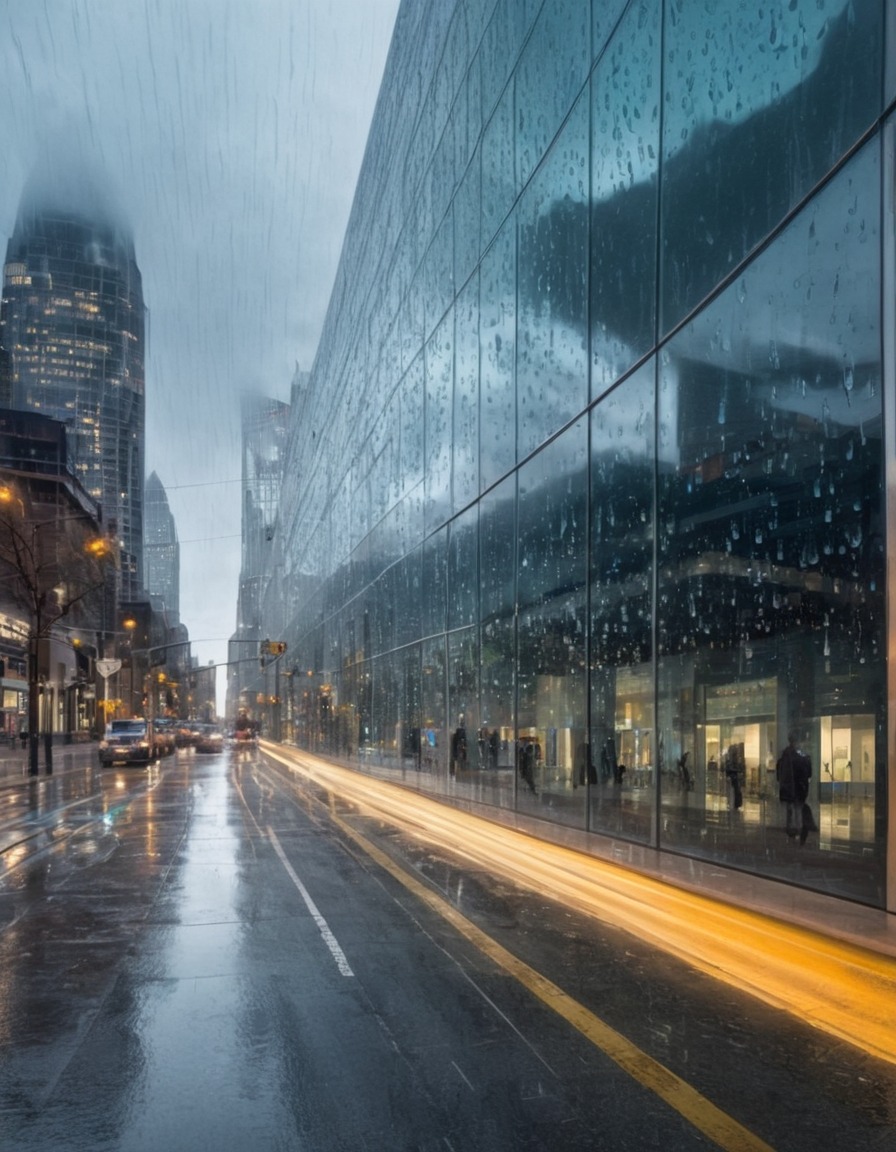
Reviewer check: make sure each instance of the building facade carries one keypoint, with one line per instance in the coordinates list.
(592, 486)
(265, 424)
(57, 598)
(72, 330)
(161, 550)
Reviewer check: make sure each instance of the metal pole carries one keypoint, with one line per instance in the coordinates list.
(33, 705)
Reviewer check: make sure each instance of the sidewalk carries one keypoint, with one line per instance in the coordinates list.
(14, 761)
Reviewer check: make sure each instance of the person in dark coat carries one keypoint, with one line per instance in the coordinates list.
(734, 770)
(794, 770)
(527, 760)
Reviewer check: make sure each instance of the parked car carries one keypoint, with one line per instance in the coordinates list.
(129, 741)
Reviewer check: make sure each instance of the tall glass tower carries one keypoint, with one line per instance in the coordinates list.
(72, 332)
(161, 550)
(265, 422)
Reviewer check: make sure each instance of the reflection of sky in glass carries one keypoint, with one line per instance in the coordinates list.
(801, 322)
(726, 60)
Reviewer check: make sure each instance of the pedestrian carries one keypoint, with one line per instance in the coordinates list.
(734, 760)
(458, 749)
(527, 765)
(684, 774)
(794, 770)
(580, 764)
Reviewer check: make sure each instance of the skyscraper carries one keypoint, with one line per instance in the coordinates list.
(72, 334)
(161, 550)
(264, 422)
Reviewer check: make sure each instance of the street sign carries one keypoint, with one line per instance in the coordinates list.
(107, 668)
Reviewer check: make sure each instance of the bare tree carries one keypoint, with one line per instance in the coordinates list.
(53, 564)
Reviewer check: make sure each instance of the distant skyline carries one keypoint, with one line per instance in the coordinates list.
(230, 134)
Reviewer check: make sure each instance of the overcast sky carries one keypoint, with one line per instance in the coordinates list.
(232, 133)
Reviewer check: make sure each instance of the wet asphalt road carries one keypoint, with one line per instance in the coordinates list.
(197, 957)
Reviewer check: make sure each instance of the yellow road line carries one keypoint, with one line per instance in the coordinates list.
(715, 1124)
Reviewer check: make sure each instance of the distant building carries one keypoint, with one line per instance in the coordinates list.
(72, 331)
(161, 550)
(264, 424)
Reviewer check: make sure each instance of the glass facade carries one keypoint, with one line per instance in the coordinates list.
(585, 511)
(161, 550)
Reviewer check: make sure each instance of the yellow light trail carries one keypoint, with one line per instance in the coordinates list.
(837, 987)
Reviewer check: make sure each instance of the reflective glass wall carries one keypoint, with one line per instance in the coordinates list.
(585, 515)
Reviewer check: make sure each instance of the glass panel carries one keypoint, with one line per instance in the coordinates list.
(463, 569)
(497, 343)
(497, 583)
(380, 747)
(551, 594)
(552, 358)
(498, 188)
(745, 139)
(435, 742)
(501, 44)
(622, 757)
(411, 448)
(410, 705)
(550, 75)
(497, 730)
(463, 708)
(408, 580)
(467, 211)
(465, 441)
(435, 583)
(437, 436)
(604, 16)
(624, 157)
(497, 555)
(771, 552)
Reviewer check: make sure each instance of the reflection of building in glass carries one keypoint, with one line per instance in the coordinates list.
(591, 460)
(73, 346)
(161, 551)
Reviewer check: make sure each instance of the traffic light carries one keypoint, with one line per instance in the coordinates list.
(273, 647)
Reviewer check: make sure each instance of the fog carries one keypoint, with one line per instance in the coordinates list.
(229, 136)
